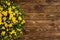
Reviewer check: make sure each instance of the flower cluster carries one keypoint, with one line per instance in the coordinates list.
(11, 20)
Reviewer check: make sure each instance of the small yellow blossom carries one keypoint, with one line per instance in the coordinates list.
(4, 13)
(13, 7)
(8, 3)
(16, 11)
(13, 32)
(3, 33)
(0, 15)
(0, 19)
(11, 16)
(3, 27)
(1, 8)
(18, 29)
(21, 32)
(6, 25)
(13, 13)
(6, 29)
(4, 18)
(0, 22)
(23, 22)
(9, 9)
(10, 25)
(20, 13)
(14, 20)
(19, 18)
(10, 12)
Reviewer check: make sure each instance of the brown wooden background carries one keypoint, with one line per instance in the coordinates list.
(43, 19)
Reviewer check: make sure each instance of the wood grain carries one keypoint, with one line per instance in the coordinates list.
(43, 19)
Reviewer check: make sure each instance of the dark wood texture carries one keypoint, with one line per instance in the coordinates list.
(43, 19)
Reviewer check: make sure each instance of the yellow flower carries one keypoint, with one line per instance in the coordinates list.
(6, 29)
(23, 22)
(14, 20)
(10, 25)
(3, 33)
(8, 3)
(16, 11)
(20, 13)
(21, 32)
(9, 10)
(4, 13)
(11, 15)
(13, 7)
(0, 19)
(1, 8)
(0, 22)
(18, 29)
(3, 27)
(4, 18)
(19, 18)
(13, 32)
(0, 15)
(6, 25)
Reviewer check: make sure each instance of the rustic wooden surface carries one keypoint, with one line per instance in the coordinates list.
(43, 19)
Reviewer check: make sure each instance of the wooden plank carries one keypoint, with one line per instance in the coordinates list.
(42, 16)
(40, 8)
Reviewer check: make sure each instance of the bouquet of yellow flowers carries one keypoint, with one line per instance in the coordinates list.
(11, 20)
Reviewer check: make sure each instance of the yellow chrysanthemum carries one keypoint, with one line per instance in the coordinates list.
(9, 9)
(13, 13)
(0, 21)
(19, 18)
(11, 16)
(4, 13)
(3, 33)
(13, 32)
(8, 3)
(23, 22)
(10, 25)
(0, 15)
(6, 25)
(16, 11)
(21, 32)
(3, 27)
(13, 7)
(6, 29)
(14, 20)
(10, 12)
(4, 18)
(1, 8)
(18, 29)
(20, 13)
